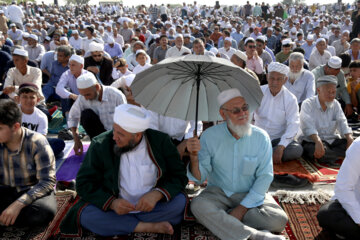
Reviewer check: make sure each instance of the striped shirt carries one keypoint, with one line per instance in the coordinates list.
(111, 97)
(31, 167)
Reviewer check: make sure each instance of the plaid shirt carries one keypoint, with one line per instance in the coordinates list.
(31, 168)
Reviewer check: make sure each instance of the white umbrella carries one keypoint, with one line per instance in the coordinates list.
(187, 87)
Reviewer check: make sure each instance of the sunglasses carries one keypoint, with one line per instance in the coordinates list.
(237, 110)
(251, 46)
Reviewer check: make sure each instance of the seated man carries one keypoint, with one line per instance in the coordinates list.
(93, 108)
(35, 50)
(323, 124)
(333, 68)
(239, 59)
(235, 204)
(26, 190)
(353, 85)
(341, 215)
(278, 115)
(142, 192)
(301, 82)
(98, 64)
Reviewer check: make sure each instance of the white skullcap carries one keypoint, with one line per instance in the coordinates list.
(77, 58)
(25, 34)
(72, 25)
(1, 12)
(270, 29)
(179, 35)
(13, 25)
(286, 41)
(75, 32)
(248, 39)
(33, 36)
(334, 62)
(214, 50)
(140, 51)
(326, 79)
(293, 30)
(227, 95)
(325, 36)
(110, 40)
(241, 55)
(101, 28)
(262, 38)
(228, 39)
(96, 47)
(278, 67)
(320, 40)
(48, 38)
(131, 118)
(63, 38)
(346, 31)
(186, 35)
(20, 52)
(310, 37)
(86, 80)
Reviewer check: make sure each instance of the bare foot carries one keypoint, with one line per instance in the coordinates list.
(159, 227)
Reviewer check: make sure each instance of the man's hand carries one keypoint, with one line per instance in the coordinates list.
(239, 212)
(10, 214)
(93, 69)
(73, 96)
(319, 150)
(78, 147)
(121, 206)
(193, 145)
(278, 154)
(9, 90)
(148, 201)
(349, 110)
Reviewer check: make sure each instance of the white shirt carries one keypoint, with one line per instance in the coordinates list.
(303, 87)
(329, 125)
(278, 115)
(139, 68)
(35, 53)
(77, 44)
(317, 60)
(332, 50)
(228, 52)
(175, 52)
(347, 187)
(15, 14)
(125, 80)
(116, 74)
(37, 121)
(137, 173)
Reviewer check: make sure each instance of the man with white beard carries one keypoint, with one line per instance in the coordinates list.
(301, 82)
(236, 159)
(323, 124)
(278, 115)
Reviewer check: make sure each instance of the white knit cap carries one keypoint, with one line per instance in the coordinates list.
(131, 118)
(310, 37)
(278, 67)
(86, 80)
(334, 62)
(77, 58)
(320, 40)
(20, 52)
(110, 40)
(33, 36)
(241, 55)
(63, 38)
(96, 47)
(227, 95)
(286, 41)
(228, 39)
(75, 32)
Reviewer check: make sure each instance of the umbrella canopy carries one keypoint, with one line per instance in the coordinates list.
(174, 86)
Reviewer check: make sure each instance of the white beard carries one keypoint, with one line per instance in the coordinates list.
(294, 76)
(239, 130)
(329, 104)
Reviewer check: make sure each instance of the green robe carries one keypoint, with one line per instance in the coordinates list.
(97, 180)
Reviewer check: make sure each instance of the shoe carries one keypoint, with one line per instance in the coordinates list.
(65, 134)
(288, 181)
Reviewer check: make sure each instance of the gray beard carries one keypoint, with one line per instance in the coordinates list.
(239, 130)
(118, 150)
(329, 104)
(294, 76)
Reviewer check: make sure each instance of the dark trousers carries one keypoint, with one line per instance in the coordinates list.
(66, 104)
(91, 123)
(39, 213)
(42, 107)
(333, 218)
(332, 151)
(57, 145)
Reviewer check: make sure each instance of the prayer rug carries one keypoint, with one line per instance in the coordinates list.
(69, 168)
(303, 224)
(67, 150)
(42, 233)
(295, 168)
(58, 123)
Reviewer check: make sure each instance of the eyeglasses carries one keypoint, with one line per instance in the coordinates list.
(251, 46)
(237, 110)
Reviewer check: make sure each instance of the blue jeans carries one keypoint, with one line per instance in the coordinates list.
(110, 224)
(49, 91)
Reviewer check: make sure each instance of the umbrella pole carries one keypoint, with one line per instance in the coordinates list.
(197, 98)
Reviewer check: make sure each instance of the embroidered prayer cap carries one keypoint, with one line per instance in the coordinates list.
(326, 79)
(278, 67)
(20, 52)
(227, 95)
(86, 80)
(334, 62)
(241, 55)
(96, 47)
(77, 58)
(131, 118)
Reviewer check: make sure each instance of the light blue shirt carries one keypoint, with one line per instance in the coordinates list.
(308, 49)
(237, 36)
(236, 166)
(114, 51)
(47, 60)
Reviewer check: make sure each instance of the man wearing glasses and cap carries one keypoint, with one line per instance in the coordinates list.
(130, 181)
(333, 67)
(323, 124)
(234, 204)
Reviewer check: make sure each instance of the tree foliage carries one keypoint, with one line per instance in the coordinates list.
(292, 2)
(77, 2)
